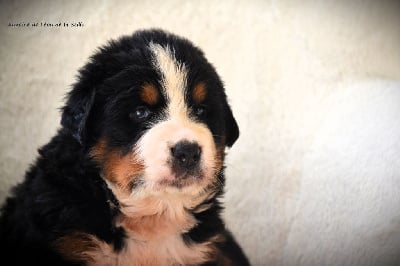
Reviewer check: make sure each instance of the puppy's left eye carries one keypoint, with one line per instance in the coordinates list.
(140, 114)
(200, 111)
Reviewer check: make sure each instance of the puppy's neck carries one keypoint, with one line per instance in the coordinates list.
(153, 218)
(157, 215)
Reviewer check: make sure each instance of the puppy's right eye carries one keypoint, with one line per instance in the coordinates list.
(140, 114)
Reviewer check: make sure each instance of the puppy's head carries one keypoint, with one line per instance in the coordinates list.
(152, 112)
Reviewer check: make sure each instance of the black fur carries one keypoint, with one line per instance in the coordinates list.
(63, 191)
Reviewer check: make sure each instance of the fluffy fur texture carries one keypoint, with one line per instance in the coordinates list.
(134, 174)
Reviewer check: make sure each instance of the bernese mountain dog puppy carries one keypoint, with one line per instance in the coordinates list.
(135, 172)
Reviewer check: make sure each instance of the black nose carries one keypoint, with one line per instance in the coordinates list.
(186, 154)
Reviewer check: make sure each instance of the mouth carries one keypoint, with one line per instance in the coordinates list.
(182, 180)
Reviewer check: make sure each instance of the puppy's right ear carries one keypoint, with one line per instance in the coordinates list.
(76, 112)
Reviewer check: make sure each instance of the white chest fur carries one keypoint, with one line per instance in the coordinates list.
(154, 237)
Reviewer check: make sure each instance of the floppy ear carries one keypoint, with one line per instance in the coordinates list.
(231, 127)
(76, 112)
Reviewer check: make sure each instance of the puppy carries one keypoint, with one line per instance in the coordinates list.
(134, 174)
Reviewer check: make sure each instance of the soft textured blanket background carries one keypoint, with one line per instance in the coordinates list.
(314, 178)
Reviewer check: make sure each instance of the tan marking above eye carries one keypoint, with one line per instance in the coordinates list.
(199, 92)
(149, 94)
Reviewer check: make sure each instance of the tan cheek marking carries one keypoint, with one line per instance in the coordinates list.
(121, 170)
(99, 150)
(149, 94)
(199, 92)
(220, 156)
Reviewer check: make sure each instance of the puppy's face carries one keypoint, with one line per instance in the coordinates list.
(160, 124)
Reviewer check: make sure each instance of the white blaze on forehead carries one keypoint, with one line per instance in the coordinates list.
(174, 79)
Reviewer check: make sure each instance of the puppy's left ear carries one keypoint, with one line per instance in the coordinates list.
(76, 112)
(231, 127)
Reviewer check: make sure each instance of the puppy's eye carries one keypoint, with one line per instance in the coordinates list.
(199, 111)
(140, 114)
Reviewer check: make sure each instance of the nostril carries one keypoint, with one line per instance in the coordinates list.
(182, 158)
(196, 155)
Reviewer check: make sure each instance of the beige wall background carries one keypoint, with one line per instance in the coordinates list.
(314, 178)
